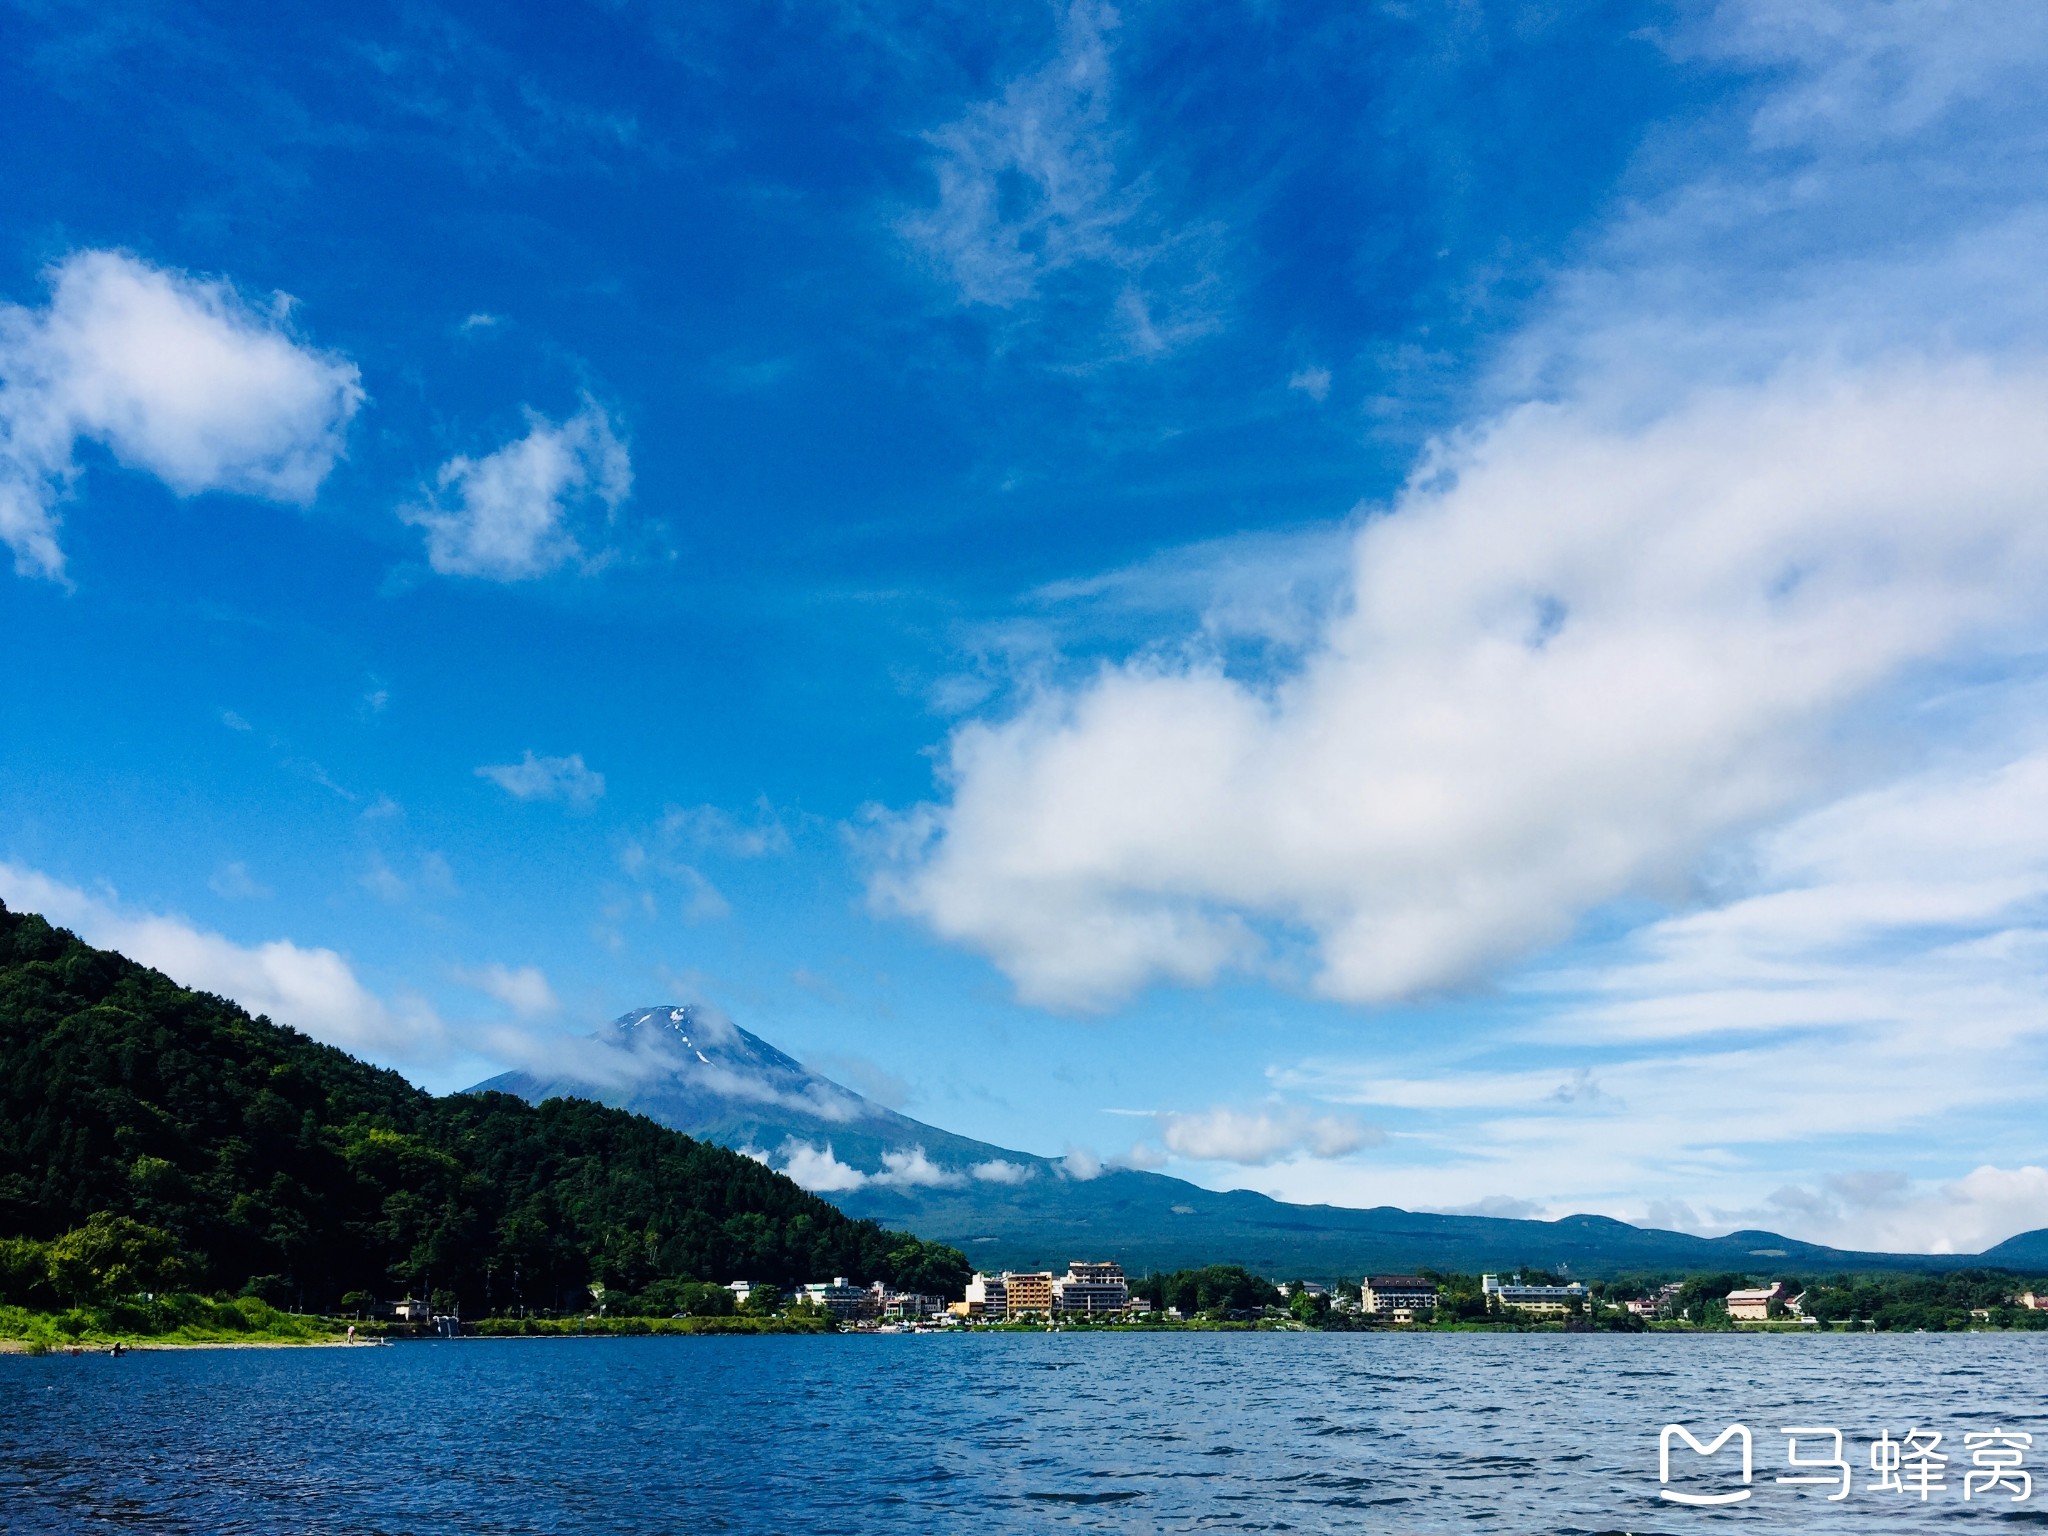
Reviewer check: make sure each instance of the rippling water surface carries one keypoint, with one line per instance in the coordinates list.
(992, 1433)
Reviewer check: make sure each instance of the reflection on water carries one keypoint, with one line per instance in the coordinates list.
(1015, 1432)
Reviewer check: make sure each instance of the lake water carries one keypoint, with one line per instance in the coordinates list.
(995, 1433)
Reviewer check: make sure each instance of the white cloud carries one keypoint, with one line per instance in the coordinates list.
(1032, 203)
(433, 877)
(912, 1169)
(1711, 646)
(1910, 912)
(1080, 1165)
(1313, 382)
(524, 989)
(1877, 979)
(546, 778)
(178, 376)
(1579, 653)
(1260, 1137)
(719, 830)
(1048, 133)
(312, 990)
(1885, 1210)
(818, 1169)
(1000, 1170)
(521, 512)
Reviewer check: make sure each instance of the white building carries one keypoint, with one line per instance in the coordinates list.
(1091, 1288)
(988, 1296)
(885, 1302)
(1516, 1296)
(1755, 1306)
(1402, 1298)
(848, 1303)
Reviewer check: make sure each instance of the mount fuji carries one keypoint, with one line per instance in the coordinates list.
(692, 1070)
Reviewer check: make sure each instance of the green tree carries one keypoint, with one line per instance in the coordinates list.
(1307, 1307)
(762, 1301)
(930, 1269)
(1217, 1289)
(112, 1257)
(25, 1272)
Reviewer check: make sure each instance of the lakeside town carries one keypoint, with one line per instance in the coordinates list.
(1098, 1293)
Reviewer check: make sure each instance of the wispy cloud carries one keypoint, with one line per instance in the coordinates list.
(546, 778)
(531, 507)
(1034, 208)
(1875, 981)
(718, 830)
(1312, 381)
(524, 989)
(1258, 1137)
(178, 376)
(233, 882)
(431, 875)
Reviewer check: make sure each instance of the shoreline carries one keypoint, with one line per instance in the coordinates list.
(38, 1348)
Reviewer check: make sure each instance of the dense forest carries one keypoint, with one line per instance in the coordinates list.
(152, 1137)
(1216, 1289)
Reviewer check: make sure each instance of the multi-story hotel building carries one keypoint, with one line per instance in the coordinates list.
(1091, 1288)
(1399, 1297)
(1532, 1298)
(1028, 1293)
(848, 1303)
(988, 1296)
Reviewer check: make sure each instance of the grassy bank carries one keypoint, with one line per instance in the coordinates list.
(173, 1319)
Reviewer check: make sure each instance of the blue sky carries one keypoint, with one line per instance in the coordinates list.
(1417, 604)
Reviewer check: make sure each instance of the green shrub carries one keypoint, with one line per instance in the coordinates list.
(112, 1256)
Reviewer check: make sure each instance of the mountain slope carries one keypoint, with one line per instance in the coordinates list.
(694, 1071)
(266, 1156)
(1009, 1209)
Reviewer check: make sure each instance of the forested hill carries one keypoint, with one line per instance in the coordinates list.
(271, 1160)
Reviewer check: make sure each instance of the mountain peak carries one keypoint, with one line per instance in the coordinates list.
(691, 1068)
(710, 1037)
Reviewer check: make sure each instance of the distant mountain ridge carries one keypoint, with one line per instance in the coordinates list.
(697, 1073)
